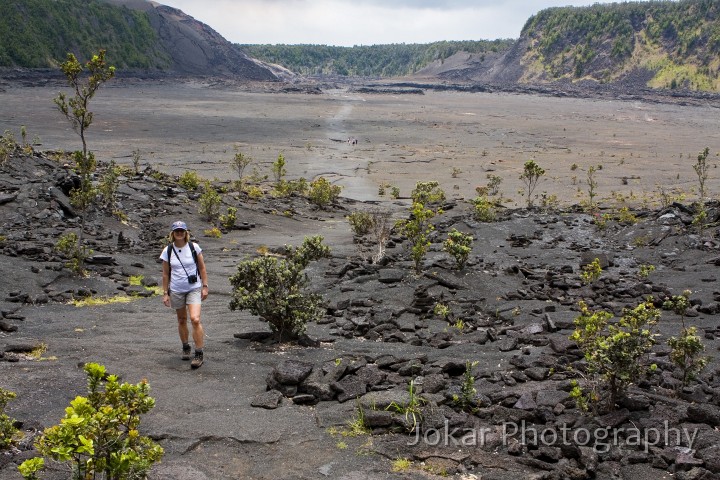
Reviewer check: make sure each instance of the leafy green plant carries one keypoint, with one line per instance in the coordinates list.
(274, 289)
(645, 270)
(493, 185)
(189, 180)
(625, 217)
(109, 185)
(410, 410)
(323, 193)
(285, 188)
(442, 311)
(278, 168)
(484, 209)
(360, 222)
(466, 399)
(7, 427)
(416, 229)
(210, 202)
(69, 246)
(700, 218)
(99, 434)
(394, 192)
(459, 246)
(592, 187)
(212, 232)
(8, 146)
(76, 110)
(530, 178)
(401, 464)
(687, 347)
(228, 220)
(614, 351)
(427, 193)
(240, 161)
(591, 272)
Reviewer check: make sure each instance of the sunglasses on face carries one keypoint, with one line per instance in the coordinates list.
(178, 231)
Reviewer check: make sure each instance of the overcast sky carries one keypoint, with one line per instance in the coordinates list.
(365, 22)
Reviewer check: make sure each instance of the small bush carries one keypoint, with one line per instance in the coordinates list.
(273, 288)
(484, 210)
(7, 428)
(427, 193)
(687, 347)
(323, 193)
(285, 188)
(210, 201)
(189, 180)
(360, 222)
(213, 232)
(278, 168)
(99, 434)
(459, 246)
(228, 220)
(591, 272)
(68, 245)
(614, 351)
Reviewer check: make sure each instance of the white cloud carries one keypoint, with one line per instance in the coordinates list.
(364, 22)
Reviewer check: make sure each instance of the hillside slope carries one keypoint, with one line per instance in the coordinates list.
(660, 44)
(137, 34)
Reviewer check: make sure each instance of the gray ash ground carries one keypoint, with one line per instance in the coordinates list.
(261, 410)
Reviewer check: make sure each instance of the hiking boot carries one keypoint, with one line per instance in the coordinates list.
(187, 350)
(197, 361)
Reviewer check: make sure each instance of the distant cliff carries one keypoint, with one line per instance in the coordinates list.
(658, 44)
(137, 34)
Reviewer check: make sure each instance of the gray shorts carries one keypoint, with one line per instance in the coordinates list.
(180, 300)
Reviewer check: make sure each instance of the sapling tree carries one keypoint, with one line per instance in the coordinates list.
(417, 229)
(240, 161)
(530, 177)
(323, 193)
(210, 202)
(614, 351)
(76, 109)
(591, 272)
(701, 170)
(278, 168)
(686, 349)
(274, 288)
(592, 186)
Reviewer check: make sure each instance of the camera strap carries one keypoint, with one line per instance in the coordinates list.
(171, 249)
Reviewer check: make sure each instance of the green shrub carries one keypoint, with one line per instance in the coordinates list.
(210, 201)
(459, 246)
(278, 168)
(109, 185)
(189, 180)
(427, 193)
(323, 193)
(239, 163)
(613, 351)
(274, 289)
(8, 146)
(99, 434)
(360, 222)
(228, 220)
(68, 245)
(484, 209)
(285, 188)
(591, 272)
(686, 348)
(7, 427)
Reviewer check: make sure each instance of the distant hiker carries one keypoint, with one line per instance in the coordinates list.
(185, 286)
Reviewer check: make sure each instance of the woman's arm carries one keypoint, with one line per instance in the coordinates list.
(203, 276)
(166, 283)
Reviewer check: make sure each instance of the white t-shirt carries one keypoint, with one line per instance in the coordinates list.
(178, 278)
